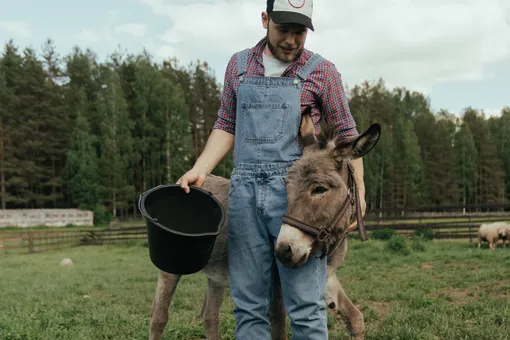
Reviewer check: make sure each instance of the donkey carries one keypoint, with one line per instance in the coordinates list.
(320, 189)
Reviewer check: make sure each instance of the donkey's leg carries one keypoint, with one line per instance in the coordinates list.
(165, 289)
(277, 315)
(211, 309)
(339, 304)
(203, 307)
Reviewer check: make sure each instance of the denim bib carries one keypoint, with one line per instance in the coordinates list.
(268, 115)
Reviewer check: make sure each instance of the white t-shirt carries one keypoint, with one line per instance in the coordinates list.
(273, 67)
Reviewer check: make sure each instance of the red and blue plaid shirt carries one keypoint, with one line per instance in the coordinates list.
(323, 90)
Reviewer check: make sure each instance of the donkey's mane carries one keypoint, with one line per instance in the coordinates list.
(327, 135)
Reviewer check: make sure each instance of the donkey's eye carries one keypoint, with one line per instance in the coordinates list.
(319, 190)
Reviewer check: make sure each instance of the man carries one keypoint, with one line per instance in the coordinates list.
(266, 88)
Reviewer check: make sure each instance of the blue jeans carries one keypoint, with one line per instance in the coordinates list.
(257, 202)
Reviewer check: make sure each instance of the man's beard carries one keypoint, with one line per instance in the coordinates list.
(280, 55)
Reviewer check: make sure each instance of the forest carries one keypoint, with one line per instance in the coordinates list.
(76, 132)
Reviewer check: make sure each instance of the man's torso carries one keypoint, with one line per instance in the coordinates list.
(259, 65)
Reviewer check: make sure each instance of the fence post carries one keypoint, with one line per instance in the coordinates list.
(470, 234)
(30, 243)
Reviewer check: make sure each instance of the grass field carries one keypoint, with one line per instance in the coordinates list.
(449, 290)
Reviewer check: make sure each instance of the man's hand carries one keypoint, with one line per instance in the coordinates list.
(217, 146)
(194, 177)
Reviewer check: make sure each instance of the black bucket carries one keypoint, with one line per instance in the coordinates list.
(181, 227)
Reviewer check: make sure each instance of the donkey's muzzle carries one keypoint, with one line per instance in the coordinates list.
(284, 253)
(291, 257)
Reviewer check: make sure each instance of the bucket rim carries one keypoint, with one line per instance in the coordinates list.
(143, 211)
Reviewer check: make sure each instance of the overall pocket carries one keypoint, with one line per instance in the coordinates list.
(263, 123)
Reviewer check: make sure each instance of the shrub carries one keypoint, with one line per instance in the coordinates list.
(424, 232)
(383, 234)
(418, 243)
(398, 244)
(101, 215)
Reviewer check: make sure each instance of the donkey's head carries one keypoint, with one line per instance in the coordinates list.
(320, 192)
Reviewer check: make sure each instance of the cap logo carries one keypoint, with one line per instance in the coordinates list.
(297, 3)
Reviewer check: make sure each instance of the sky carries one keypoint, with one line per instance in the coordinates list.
(456, 52)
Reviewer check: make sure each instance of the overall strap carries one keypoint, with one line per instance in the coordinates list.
(310, 66)
(242, 61)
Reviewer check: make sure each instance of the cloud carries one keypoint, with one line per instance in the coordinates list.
(107, 34)
(18, 28)
(95, 35)
(169, 51)
(419, 44)
(487, 111)
(136, 30)
(113, 14)
(88, 36)
(493, 112)
(210, 25)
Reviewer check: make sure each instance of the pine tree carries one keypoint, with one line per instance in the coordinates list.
(467, 163)
(500, 130)
(436, 144)
(57, 122)
(489, 185)
(83, 165)
(116, 141)
(15, 189)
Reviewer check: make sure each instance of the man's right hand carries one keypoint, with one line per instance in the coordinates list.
(217, 146)
(194, 177)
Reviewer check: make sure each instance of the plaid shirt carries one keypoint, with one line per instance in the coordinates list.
(323, 90)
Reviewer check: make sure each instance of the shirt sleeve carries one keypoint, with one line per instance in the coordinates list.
(226, 120)
(335, 105)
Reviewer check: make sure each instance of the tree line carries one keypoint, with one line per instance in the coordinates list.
(77, 132)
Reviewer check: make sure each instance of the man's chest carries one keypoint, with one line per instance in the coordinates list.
(258, 87)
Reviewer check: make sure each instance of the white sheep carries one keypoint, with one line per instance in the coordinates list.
(490, 232)
(504, 234)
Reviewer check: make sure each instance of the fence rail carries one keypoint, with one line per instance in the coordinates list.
(36, 241)
(453, 218)
(468, 208)
(438, 231)
(465, 228)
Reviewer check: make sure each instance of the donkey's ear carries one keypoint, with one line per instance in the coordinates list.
(307, 129)
(360, 146)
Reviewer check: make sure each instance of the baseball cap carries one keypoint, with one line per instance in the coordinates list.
(291, 11)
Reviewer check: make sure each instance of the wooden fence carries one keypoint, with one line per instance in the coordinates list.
(36, 241)
(446, 227)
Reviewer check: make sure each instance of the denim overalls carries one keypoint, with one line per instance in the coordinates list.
(266, 144)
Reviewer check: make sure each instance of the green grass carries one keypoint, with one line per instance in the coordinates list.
(448, 290)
